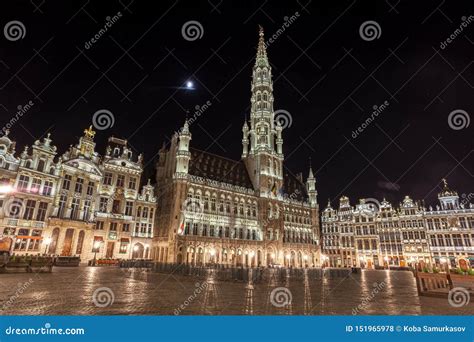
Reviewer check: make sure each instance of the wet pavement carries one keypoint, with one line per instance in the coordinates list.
(110, 291)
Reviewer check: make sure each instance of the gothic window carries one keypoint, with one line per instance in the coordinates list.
(213, 203)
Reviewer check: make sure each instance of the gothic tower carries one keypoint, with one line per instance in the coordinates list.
(262, 141)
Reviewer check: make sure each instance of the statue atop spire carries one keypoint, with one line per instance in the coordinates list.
(89, 133)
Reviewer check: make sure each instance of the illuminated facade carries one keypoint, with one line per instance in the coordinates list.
(76, 204)
(374, 234)
(213, 210)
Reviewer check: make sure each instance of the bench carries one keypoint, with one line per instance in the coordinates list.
(65, 261)
(38, 264)
(433, 284)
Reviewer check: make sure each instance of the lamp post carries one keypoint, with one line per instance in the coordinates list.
(47, 242)
(96, 249)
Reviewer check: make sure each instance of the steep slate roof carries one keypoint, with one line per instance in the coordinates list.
(294, 188)
(207, 165)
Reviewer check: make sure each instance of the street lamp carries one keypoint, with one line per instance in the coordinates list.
(96, 249)
(47, 241)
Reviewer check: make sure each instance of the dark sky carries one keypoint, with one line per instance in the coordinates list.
(326, 76)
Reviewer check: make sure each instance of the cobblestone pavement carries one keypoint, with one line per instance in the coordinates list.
(70, 291)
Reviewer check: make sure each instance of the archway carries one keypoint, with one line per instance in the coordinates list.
(138, 250)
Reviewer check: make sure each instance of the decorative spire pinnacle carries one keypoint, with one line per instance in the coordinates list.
(185, 129)
(446, 191)
(261, 50)
(311, 175)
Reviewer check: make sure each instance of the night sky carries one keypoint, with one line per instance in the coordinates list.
(325, 75)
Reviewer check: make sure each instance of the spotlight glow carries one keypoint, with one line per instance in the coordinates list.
(189, 85)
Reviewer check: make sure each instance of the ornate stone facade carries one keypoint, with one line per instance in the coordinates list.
(78, 204)
(374, 234)
(251, 212)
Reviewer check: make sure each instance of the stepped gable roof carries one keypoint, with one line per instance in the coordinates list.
(207, 165)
